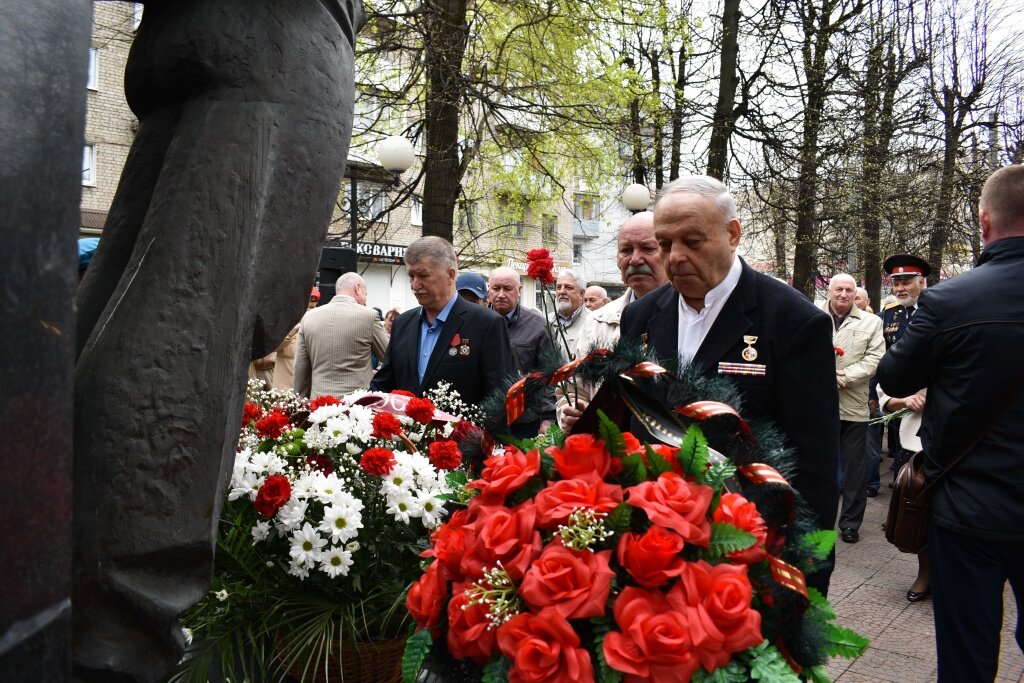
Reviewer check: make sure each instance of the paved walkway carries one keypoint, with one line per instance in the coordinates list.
(868, 592)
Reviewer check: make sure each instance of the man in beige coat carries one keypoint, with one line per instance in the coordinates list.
(642, 271)
(857, 336)
(335, 342)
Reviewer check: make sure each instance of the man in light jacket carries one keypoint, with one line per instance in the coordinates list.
(859, 343)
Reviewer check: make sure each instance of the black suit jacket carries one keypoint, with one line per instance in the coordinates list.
(798, 390)
(474, 374)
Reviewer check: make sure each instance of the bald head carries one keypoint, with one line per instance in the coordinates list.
(595, 297)
(503, 290)
(637, 255)
(1001, 207)
(353, 285)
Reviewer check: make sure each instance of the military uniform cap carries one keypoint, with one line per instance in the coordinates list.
(906, 265)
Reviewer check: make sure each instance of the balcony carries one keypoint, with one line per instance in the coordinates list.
(586, 229)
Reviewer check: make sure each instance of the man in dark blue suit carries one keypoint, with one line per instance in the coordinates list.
(447, 338)
(722, 314)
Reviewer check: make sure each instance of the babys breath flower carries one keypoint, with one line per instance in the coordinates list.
(498, 592)
(260, 531)
(585, 528)
(403, 506)
(221, 595)
(335, 562)
(341, 523)
(306, 545)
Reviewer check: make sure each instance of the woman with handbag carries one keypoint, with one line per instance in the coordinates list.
(911, 444)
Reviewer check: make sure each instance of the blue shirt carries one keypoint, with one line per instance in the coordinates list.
(429, 332)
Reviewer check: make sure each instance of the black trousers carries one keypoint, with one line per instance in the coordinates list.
(853, 452)
(968, 576)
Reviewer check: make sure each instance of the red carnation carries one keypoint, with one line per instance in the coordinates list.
(272, 424)
(445, 455)
(378, 461)
(839, 351)
(420, 409)
(272, 496)
(540, 265)
(320, 463)
(250, 413)
(321, 401)
(385, 425)
(462, 429)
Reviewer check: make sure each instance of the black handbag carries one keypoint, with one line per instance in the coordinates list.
(906, 525)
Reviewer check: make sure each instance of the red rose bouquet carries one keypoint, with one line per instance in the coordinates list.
(598, 558)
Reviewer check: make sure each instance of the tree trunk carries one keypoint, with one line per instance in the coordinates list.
(445, 46)
(722, 126)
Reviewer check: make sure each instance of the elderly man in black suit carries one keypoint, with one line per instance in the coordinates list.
(447, 338)
(722, 314)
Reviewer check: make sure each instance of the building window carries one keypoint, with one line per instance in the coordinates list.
(585, 207)
(549, 228)
(93, 80)
(371, 202)
(577, 254)
(511, 219)
(416, 211)
(89, 165)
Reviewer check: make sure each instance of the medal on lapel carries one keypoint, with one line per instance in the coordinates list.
(643, 341)
(464, 348)
(453, 348)
(750, 353)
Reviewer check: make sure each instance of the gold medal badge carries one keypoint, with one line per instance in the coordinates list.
(750, 353)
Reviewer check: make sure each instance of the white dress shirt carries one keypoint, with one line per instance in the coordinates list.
(694, 325)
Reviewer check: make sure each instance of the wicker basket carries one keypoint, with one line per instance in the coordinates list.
(358, 663)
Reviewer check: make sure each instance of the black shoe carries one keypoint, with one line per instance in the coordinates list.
(871, 493)
(918, 597)
(850, 536)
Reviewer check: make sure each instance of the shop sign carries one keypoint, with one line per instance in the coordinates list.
(393, 254)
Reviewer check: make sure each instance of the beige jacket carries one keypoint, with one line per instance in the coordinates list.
(860, 338)
(332, 354)
(600, 330)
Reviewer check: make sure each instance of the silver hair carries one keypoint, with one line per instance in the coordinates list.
(842, 275)
(505, 270)
(580, 282)
(705, 186)
(435, 249)
(348, 282)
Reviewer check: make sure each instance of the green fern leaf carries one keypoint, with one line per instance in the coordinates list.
(718, 473)
(605, 674)
(733, 672)
(496, 671)
(817, 674)
(417, 647)
(611, 435)
(820, 542)
(769, 666)
(842, 642)
(633, 470)
(619, 518)
(693, 453)
(726, 538)
(656, 463)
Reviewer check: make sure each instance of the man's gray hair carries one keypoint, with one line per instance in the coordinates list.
(705, 186)
(348, 283)
(435, 249)
(842, 276)
(580, 282)
(505, 270)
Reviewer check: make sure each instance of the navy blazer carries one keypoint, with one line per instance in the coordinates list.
(481, 362)
(798, 389)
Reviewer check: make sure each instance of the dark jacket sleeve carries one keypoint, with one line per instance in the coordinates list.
(497, 355)
(906, 366)
(384, 379)
(808, 413)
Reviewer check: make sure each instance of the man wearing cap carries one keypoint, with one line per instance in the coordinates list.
(529, 337)
(472, 287)
(335, 342)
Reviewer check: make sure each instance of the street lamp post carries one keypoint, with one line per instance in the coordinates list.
(395, 155)
(636, 197)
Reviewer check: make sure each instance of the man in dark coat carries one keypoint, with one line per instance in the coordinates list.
(447, 338)
(774, 344)
(964, 345)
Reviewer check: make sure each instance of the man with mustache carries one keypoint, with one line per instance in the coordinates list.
(570, 313)
(729, 320)
(446, 338)
(642, 272)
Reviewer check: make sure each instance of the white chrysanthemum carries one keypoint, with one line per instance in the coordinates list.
(432, 509)
(353, 448)
(341, 523)
(306, 545)
(404, 506)
(324, 413)
(291, 514)
(260, 531)
(350, 398)
(414, 437)
(298, 569)
(304, 486)
(267, 463)
(335, 562)
(400, 478)
(338, 430)
(246, 485)
(343, 498)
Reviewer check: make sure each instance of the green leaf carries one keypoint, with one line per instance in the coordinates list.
(611, 435)
(633, 470)
(417, 647)
(555, 436)
(817, 674)
(718, 473)
(820, 542)
(842, 642)
(656, 463)
(726, 538)
(605, 674)
(456, 479)
(733, 672)
(769, 666)
(619, 518)
(820, 604)
(693, 453)
(496, 671)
